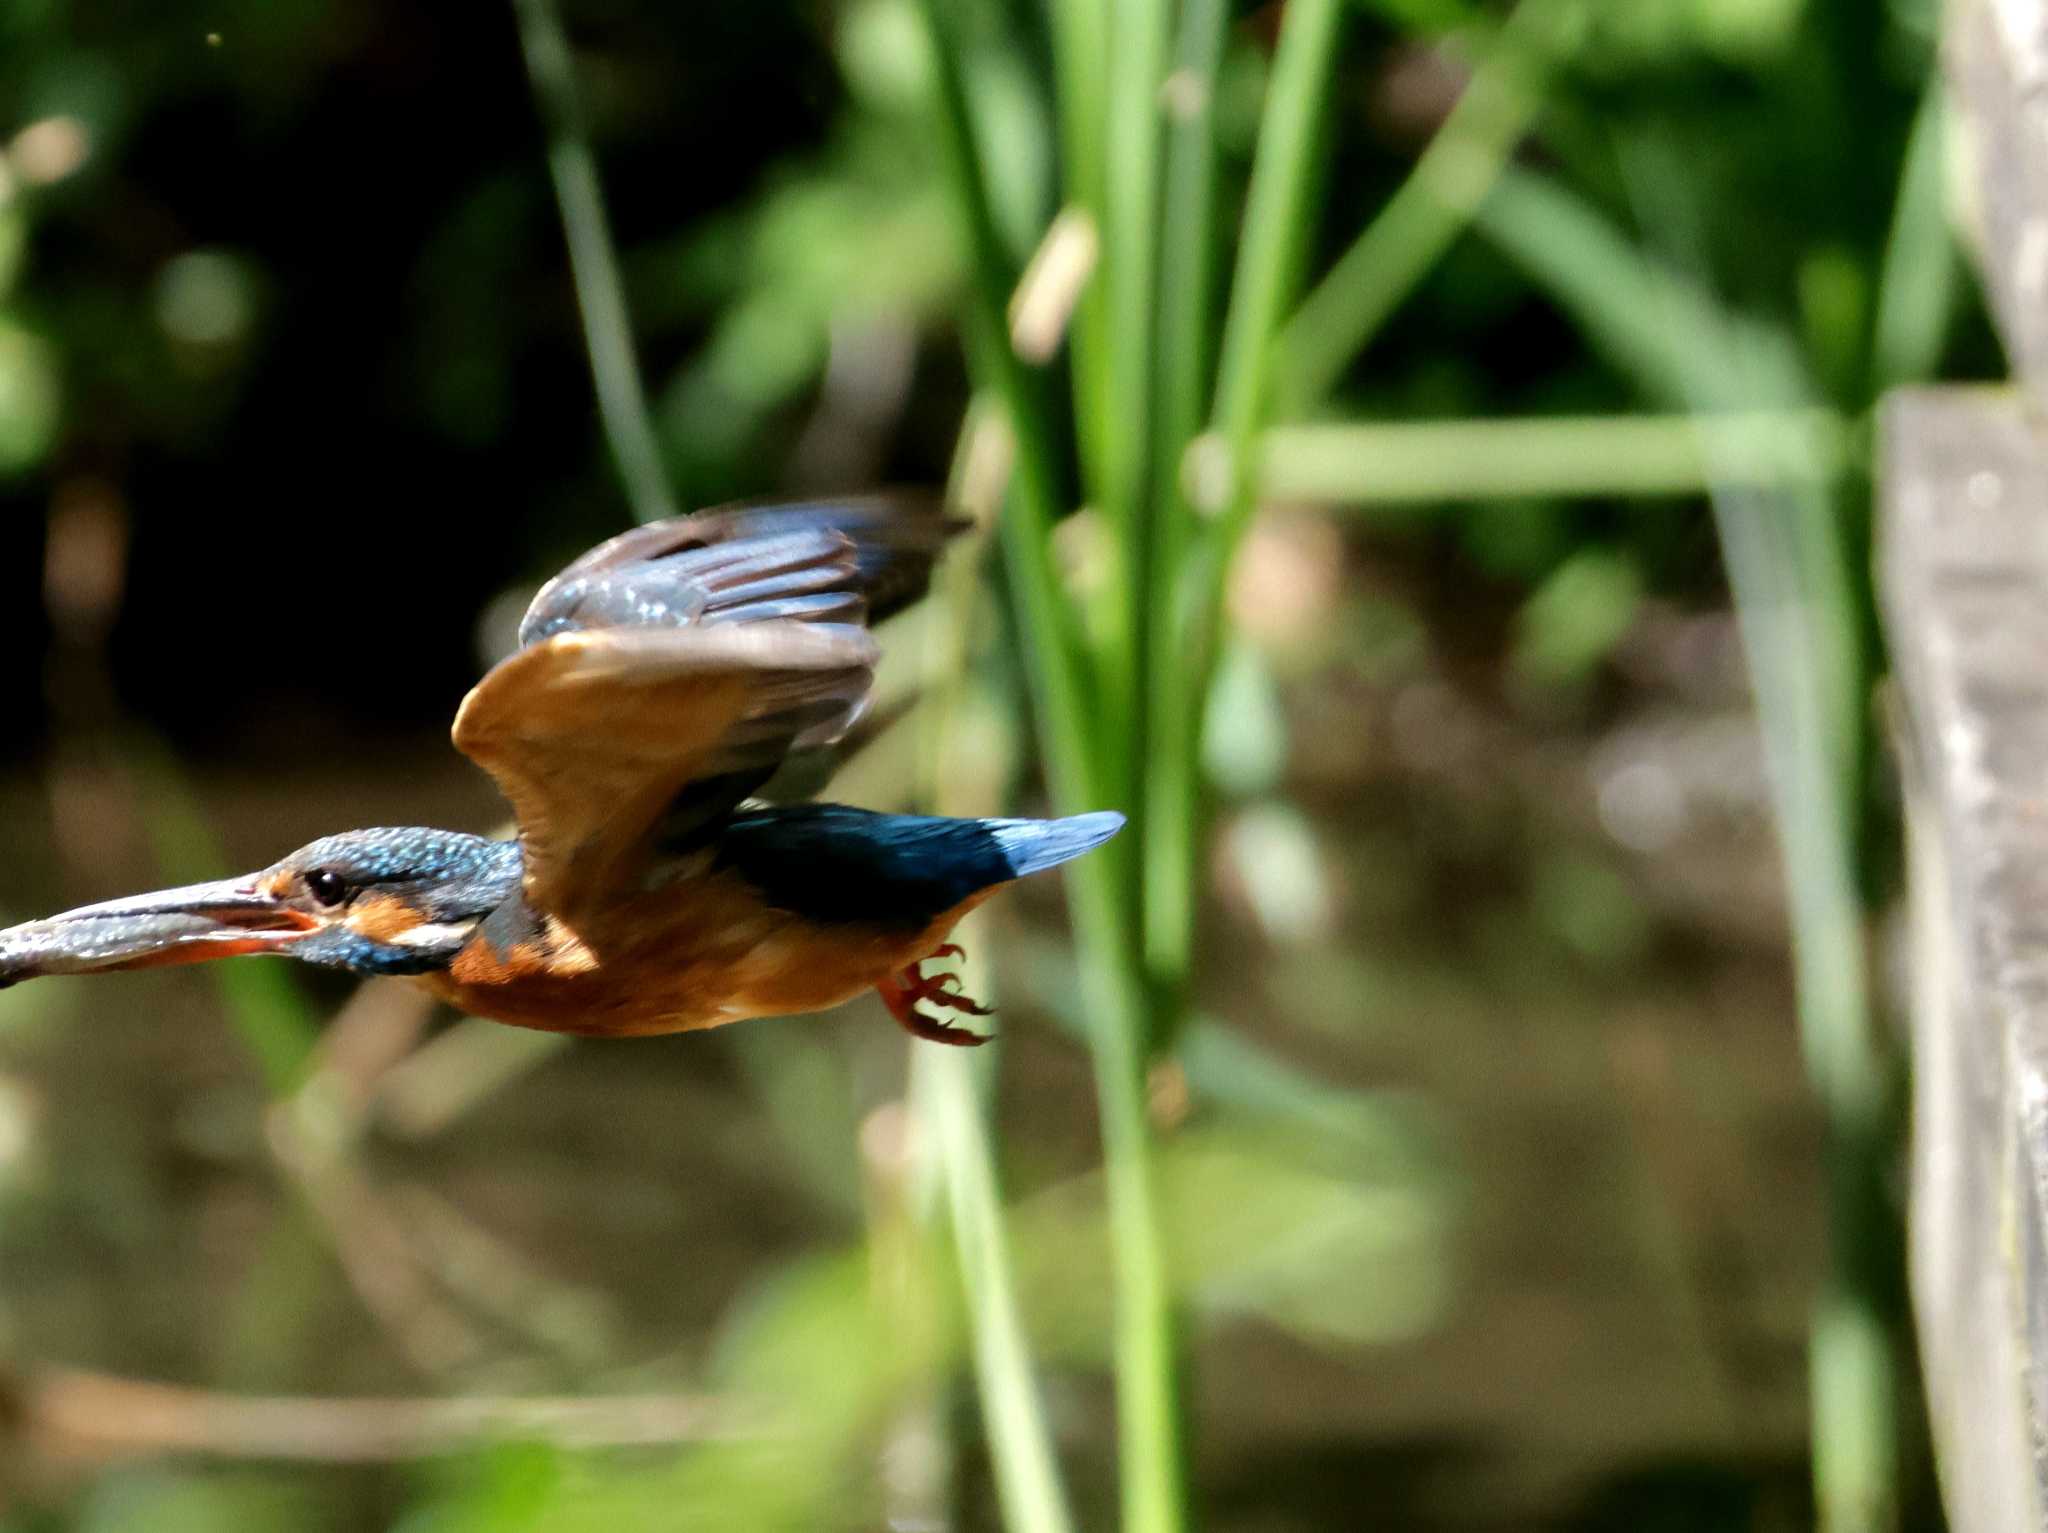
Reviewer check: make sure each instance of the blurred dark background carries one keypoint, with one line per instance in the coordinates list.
(305, 304)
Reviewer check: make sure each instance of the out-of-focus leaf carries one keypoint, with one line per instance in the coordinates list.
(501, 1490)
(1262, 1221)
(1017, 141)
(1261, 1229)
(13, 243)
(206, 304)
(1627, 38)
(764, 351)
(1423, 17)
(885, 55)
(1387, 1129)
(28, 397)
(1516, 538)
(86, 88)
(1274, 858)
(1834, 313)
(1590, 907)
(810, 1358)
(1244, 739)
(801, 1080)
(1571, 622)
(203, 1501)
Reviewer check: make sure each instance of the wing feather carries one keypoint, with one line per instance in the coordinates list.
(732, 564)
(593, 735)
(667, 673)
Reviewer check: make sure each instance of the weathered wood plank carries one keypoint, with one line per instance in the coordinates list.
(1996, 57)
(1964, 549)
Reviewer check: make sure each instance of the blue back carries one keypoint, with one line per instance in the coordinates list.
(831, 862)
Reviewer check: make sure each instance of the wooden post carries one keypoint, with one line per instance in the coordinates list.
(1965, 591)
(1964, 547)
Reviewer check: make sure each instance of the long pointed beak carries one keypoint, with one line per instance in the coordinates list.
(187, 925)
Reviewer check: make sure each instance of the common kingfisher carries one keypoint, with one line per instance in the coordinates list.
(661, 681)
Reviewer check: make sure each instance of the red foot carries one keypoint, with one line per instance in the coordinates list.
(902, 991)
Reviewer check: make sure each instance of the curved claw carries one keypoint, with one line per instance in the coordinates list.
(903, 990)
(953, 1000)
(932, 1030)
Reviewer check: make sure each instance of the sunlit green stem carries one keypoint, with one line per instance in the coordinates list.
(950, 1087)
(1276, 219)
(1390, 462)
(1053, 653)
(1080, 40)
(607, 332)
(1186, 277)
(1916, 292)
(1019, 1445)
(1147, 1397)
(1130, 272)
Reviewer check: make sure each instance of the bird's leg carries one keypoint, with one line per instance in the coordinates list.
(902, 991)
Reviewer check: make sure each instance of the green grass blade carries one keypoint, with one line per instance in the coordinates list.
(1130, 246)
(1130, 274)
(1052, 649)
(1800, 620)
(1394, 462)
(950, 1087)
(1916, 292)
(1019, 1443)
(1080, 39)
(1186, 283)
(1147, 1392)
(1644, 318)
(1188, 227)
(1276, 219)
(1426, 214)
(608, 334)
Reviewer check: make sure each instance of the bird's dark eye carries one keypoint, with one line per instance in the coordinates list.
(326, 886)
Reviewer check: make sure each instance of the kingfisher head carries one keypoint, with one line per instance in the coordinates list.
(391, 901)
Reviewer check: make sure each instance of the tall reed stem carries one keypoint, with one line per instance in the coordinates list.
(608, 333)
(1082, 753)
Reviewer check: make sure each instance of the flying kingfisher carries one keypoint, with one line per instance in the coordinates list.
(661, 681)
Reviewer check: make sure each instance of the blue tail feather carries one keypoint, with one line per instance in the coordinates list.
(1032, 846)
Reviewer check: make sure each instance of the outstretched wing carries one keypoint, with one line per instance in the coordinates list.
(817, 561)
(667, 673)
(593, 735)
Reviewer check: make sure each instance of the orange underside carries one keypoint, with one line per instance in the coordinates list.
(700, 953)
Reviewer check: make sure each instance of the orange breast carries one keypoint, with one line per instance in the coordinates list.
(698, 952)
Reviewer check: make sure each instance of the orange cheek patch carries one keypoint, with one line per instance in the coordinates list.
(381, 917)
